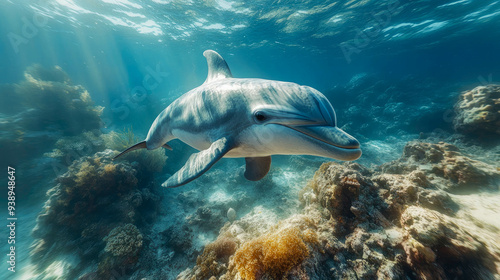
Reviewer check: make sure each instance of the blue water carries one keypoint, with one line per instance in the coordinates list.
(391, 69)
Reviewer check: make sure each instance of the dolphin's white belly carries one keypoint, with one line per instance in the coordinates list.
(199, 141)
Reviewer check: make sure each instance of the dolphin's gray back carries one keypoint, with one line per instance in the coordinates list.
(225, 102)
(220, 107)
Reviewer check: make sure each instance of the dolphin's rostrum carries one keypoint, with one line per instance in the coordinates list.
(250, 118)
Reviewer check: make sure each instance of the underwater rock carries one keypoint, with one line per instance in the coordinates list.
(446, 167)
(478, 111)
(93, 213)
(395, 221)
(231, 214)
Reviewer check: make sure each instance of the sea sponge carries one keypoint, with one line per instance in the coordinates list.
(273, 254)
(124, 241)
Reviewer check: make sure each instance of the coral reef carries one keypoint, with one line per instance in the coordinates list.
(445, 166)
(56, 103)
(41, 109)
(123, 244)
(124, 241)
(85, 213)
(400, 220)
(478, 111)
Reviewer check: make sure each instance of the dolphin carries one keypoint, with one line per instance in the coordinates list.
(247, 118)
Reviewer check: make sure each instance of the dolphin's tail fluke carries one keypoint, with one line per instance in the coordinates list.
(140, 145)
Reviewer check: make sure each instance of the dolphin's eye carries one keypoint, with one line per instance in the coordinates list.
(259, 116)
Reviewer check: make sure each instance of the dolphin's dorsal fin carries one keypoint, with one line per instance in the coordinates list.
(217, 67)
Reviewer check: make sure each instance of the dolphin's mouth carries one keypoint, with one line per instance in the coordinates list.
(330, 135)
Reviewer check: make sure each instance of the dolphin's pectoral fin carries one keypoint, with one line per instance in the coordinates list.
(166, 146)
(257, 167)
(217, 67)
(199, 163)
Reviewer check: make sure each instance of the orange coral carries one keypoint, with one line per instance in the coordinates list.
(274, 254)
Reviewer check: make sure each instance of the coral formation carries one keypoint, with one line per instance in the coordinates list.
(41, 109)
(70, 148)
(124, 241)
(123, 244)
(85, 213)
(446, 166)
(56, 103)
(400, 220)
(478, 111)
